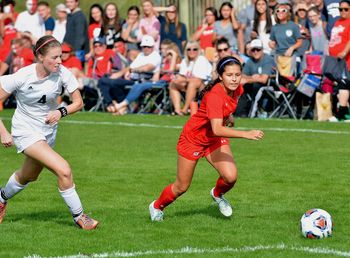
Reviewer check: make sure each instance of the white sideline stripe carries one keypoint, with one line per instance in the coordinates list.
(276, 129)
(194, 250)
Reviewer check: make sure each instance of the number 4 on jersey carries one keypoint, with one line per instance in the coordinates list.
(42, 100)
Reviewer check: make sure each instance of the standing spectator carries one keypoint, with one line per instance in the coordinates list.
(319, 40)
(285, 35)
(301, 19)
(7, 29)
(330, 14)
(195, 71)
(227, 25)
(339, 46)
(130, 29)
(245, 19)
(61, 22)
(45, 13)
(170, 26)
(111, 24)
(30, 20)
(149, 24)
(204, 33)
(76, 30)
(94, 28)
(263, 22)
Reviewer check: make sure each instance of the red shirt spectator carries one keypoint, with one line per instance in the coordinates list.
(69, 60)
(340, 36)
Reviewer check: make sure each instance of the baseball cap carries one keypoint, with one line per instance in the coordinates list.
(66, 47)
(147, 41)
(101, 40)
(61, 8)
(256, 43)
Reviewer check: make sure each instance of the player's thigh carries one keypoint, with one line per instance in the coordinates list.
(222, 160)
(44, 154)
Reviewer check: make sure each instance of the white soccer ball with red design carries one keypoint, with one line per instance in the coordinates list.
(316, 223)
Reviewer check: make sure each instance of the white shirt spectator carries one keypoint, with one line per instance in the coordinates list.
(154, 58)
(60, 30)
(32, 23)
(201, 68)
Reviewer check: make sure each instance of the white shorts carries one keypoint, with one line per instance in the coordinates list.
(24, 141)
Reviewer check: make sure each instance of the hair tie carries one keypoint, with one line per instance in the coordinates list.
(43, 44)
(231, 59)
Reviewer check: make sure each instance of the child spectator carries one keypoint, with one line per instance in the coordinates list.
(319, 40)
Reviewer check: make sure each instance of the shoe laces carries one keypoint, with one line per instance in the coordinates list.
(86, 219)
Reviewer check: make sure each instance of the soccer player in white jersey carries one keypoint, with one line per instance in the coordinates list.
(34, 125)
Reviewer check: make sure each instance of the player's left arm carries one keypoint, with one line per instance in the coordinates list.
(220, 130)
(77, 104)
(5, 136)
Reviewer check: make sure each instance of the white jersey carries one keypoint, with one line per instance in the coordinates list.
(36, 97)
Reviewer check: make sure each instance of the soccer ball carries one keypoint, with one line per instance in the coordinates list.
(316, 223)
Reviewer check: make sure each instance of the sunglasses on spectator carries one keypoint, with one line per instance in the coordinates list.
(343, 9)
(146, 47)
(98, 45)
(281, 10)
(192, 49)
(222, 49)
(255, 49)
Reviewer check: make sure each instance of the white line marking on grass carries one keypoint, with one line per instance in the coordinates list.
(275, 129)
(195, 250)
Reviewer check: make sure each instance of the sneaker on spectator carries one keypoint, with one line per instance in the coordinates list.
(2, 211)
(224, 206)
(332, 119)
(85, 222)
(156, 214)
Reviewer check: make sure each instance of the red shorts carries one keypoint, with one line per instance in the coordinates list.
(194, 152)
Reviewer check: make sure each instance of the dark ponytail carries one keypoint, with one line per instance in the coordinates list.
(220, 69)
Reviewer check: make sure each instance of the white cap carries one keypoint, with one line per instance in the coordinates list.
(256, 43)
(61, 8)
(147, 41)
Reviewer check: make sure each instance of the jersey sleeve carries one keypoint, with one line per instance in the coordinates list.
(215, 104)
(11, 82)
(68, 80)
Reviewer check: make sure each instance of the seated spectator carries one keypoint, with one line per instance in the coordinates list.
(18, 58)
(61, 21)
(256, 73)
(30, 20)
(171, 59)
(130, 30)
(204, 33)
(195, 71)
(143, 68)
(45, 13)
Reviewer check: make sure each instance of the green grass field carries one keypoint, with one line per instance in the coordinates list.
(120, 165)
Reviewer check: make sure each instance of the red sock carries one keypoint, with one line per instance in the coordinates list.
(165, 198)
(221, 187)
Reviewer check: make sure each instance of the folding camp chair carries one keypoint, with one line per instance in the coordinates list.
(155, 100)
(92, 96)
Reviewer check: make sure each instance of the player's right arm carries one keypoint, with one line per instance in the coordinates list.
(5, 136)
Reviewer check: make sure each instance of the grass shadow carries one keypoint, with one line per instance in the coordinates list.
(209, 211)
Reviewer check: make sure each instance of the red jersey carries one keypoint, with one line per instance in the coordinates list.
(206, 38)
(215, 104)
(340, 36)
(72, 62)
(92, 27)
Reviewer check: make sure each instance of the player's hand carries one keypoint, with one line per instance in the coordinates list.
(254, 135)
(6, 139)
(53, 117)
(230, 121)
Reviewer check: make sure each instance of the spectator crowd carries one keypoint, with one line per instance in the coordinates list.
(126, 55)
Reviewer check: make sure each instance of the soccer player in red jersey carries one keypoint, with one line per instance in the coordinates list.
(206, 135)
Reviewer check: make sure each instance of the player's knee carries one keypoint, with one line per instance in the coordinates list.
(64, 171)
(230, 178)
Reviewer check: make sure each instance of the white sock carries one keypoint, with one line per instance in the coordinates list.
(11, 189)
(71, 198)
